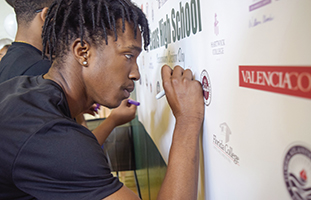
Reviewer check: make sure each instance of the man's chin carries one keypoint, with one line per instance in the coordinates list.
(111, 106)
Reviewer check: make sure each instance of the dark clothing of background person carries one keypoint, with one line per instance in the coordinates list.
(45, 154)
(23, 59)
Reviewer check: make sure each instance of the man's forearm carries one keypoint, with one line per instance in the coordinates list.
(181, 179)
(102, 131)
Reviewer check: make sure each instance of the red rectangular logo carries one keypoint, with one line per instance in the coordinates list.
(289, 80)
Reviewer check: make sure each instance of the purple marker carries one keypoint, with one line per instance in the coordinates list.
(133, 102)
(97, 107)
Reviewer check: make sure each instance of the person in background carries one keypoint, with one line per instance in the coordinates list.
(24, 57)
(3, 50)
(94, 45)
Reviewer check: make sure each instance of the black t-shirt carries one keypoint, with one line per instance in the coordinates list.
(44, 153)
(22, 59)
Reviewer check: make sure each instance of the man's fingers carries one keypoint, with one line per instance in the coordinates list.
(177, 72)
(188, 74)
(175, 75)
(166, 72)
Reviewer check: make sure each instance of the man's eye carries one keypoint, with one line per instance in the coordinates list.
(128, 56)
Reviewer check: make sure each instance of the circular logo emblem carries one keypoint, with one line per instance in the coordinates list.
(207, 89)
(297, 172)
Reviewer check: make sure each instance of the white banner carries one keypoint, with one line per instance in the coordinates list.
(253, 58)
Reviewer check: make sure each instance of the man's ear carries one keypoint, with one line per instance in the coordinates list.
(43, 13)
(81, 52)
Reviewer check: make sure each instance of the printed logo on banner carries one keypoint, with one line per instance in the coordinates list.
(173, 58)
(216, 27)
(296, 171)
(226, 131)
(207, 88)
(289, 80)
(218, 46)
(221, 144)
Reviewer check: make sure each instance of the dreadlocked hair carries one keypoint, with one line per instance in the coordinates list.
(89, 20)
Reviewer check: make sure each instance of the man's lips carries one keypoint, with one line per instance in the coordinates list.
(128, 91)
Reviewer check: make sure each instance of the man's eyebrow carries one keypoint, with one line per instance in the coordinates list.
(136, 48)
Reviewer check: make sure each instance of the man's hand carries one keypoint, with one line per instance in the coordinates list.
(183, 93)
(123, 114)
(93, 110)
(185, 97)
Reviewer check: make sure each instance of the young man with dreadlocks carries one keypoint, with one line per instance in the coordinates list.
(45, 153)
(24, 57)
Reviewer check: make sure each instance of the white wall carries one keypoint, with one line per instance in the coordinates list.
(5, 10)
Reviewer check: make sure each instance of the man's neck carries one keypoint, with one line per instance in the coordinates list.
(68, 77)
(30, 37)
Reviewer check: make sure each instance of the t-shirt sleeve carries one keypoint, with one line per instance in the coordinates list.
(64, 161)
(38, 68)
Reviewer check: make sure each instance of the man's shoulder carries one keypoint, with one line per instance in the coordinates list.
(23, 51)
(32, 90)
(22, 59)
